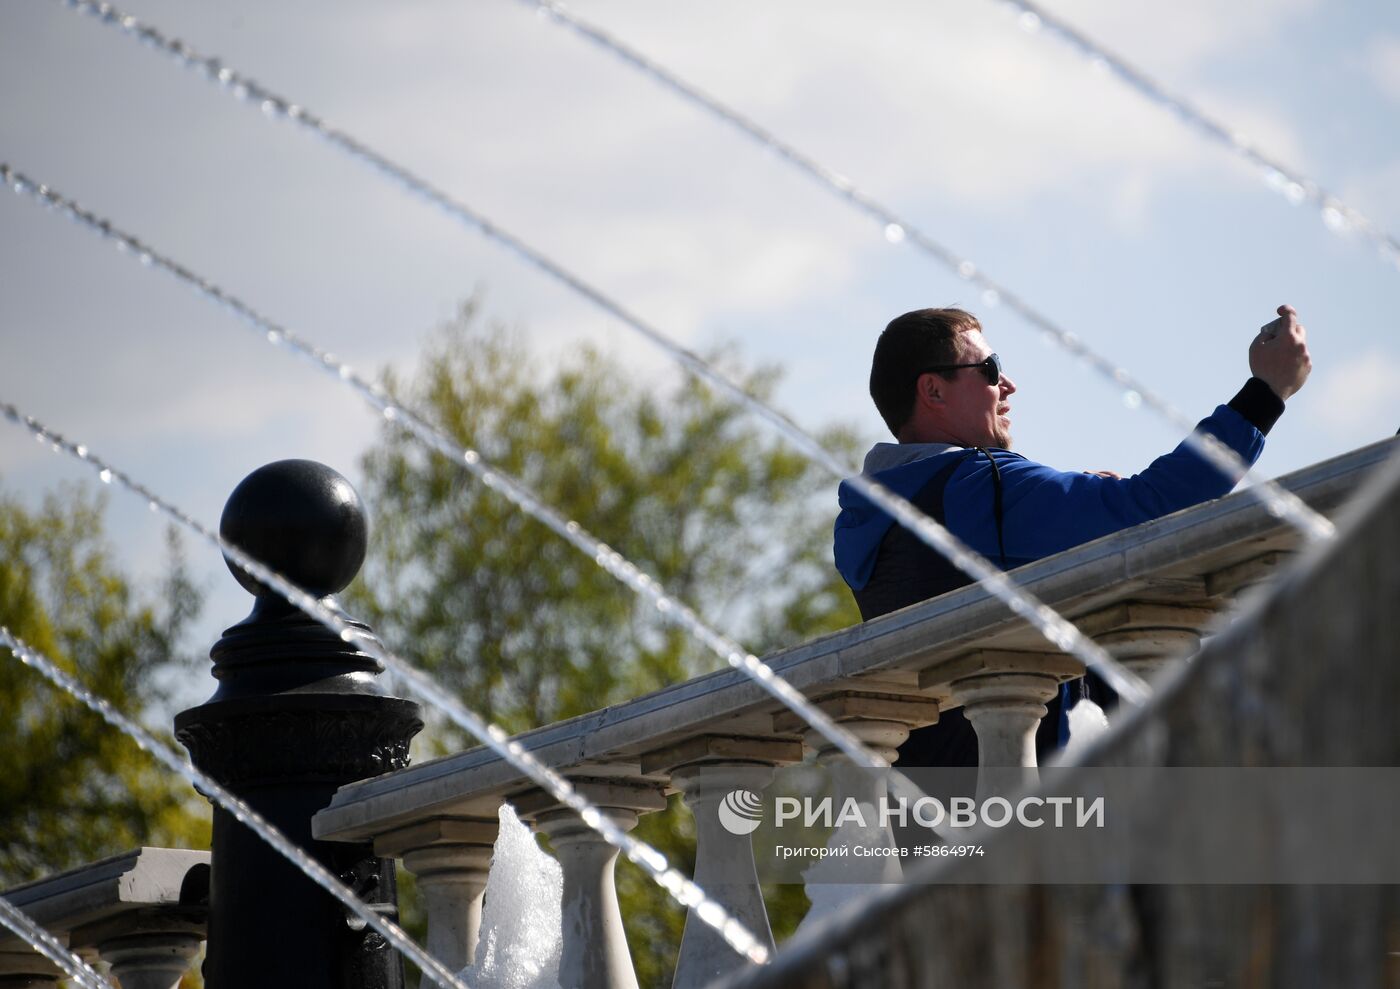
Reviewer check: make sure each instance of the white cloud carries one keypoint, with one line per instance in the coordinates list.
(1171, 40)
(1373, 191)
(1382, 63)
(1359, 395)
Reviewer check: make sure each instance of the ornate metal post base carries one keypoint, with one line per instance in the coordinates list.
(297, 714)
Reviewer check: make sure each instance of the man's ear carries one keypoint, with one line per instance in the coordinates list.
(930, 389)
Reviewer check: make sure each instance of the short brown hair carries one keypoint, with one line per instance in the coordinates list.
(909, 343)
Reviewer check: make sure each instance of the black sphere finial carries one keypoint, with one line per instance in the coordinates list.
(301, 519)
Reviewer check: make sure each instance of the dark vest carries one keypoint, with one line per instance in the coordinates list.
(908, 570)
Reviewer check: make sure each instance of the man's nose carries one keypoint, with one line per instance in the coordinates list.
(1007, 386)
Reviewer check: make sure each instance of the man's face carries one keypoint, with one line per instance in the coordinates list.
(977, 413)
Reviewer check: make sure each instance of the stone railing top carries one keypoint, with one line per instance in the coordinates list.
(1186, 558)
(141, 880)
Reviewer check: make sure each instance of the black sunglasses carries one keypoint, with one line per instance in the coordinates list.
(990, 368)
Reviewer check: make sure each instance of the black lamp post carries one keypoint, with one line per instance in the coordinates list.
(297, 713)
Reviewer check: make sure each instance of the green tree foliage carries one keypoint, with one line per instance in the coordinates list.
(527, 628)
(72, 789)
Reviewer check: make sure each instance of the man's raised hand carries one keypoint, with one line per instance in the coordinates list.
(1278, 356)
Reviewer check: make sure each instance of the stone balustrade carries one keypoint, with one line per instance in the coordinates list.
(1305, 679)
(1148, 595)
(143, 913)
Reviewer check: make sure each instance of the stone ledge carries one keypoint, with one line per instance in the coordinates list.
(1175, 553)
(141, 883)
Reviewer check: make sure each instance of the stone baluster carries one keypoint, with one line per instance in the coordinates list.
(451, 858)
(1148, 637)
(1005, 710)
(707, 769)
(1003, 693)
(594, 953)
(1238, 578)
(148, 956)
(150, 951)
(21, 967)
(142, 912)
(881, 722)
(1150, 651)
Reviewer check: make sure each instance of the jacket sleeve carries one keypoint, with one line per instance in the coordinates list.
(1046, 511)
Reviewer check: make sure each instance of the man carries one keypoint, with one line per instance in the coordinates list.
(943, 394)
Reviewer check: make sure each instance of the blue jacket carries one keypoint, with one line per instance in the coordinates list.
(1044, 510)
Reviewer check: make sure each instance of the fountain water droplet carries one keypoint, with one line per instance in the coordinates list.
(1029, 21)
(688, 895)
(967, 269)
(1132, 399)
(894, 233)
(1295, 193)
(991, 297)
(105, 476)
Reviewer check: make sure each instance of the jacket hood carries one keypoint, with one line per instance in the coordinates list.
(884, 456)
(904, 468)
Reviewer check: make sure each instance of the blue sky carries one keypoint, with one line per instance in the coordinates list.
(1157, 247)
